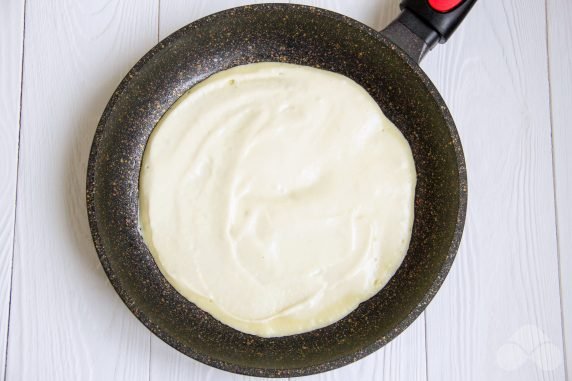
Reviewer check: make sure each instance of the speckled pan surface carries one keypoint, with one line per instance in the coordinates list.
(301, 35)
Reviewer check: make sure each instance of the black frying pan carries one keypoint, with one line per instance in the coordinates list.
(383, 63)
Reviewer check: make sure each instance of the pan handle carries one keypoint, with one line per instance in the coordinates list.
(424, 23)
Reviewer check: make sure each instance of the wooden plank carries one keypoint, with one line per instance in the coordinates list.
(175, 14)
(67, 323)
(401, 359)
(404, 358)
(376, 14)
(560, 59)
(166, 362)
(498, 315)
(11, 36)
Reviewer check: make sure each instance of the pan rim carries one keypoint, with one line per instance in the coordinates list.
(334, 362)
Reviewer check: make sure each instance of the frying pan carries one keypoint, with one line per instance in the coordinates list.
(386, 65)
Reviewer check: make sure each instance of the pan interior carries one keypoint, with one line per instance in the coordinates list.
(304, 36)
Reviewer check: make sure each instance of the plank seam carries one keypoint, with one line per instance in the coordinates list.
(150, 358)
(5, 370)
(149, 362)
(158, 21)
(426, 346)
(556, 214)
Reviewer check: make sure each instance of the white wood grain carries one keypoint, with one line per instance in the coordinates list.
(11, 35)
(401, 359)
(175, 14)
(500, 307)
(374, 13)
(560, 58)
(66, 322)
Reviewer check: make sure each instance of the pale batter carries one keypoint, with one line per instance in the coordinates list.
(277, 197)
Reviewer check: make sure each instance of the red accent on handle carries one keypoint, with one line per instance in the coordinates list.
(444, 5)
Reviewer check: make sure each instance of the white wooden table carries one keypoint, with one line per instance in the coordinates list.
(504, 312)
